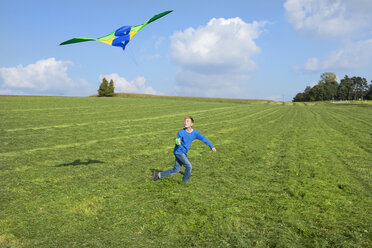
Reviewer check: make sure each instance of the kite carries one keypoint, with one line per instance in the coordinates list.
(121, 36)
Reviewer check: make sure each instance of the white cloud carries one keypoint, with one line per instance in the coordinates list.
(354, 55)
(312, 64)
(344, 19)
(214, 59)
(329, 18)
(44, 77)
(122, 85)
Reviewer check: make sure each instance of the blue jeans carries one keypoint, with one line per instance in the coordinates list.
(181, 159)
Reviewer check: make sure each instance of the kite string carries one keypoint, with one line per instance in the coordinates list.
(139, 67)
(132, 56)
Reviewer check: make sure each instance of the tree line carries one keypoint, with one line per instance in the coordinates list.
(327, 88)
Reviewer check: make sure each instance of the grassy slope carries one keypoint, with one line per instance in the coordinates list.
(76, 172)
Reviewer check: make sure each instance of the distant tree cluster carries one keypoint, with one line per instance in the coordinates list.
(106, 88)
(328, 88)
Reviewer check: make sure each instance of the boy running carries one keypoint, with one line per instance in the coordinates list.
(183, 142)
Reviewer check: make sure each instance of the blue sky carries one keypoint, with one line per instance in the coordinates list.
(267, 49)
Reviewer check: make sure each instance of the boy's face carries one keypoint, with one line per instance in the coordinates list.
(187, 123)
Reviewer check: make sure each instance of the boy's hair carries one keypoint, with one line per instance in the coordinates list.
(189, 117)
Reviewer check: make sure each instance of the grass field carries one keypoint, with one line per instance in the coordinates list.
(76, 172)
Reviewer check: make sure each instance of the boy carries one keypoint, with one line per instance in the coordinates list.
(184, 138)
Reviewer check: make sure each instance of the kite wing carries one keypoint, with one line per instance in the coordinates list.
(121, 36)
(76, 40)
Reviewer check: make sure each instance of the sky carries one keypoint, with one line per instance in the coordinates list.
(267, 49)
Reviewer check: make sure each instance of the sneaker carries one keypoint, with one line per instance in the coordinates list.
(155, 175)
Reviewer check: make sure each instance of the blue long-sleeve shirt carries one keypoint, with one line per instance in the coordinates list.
(187, 138)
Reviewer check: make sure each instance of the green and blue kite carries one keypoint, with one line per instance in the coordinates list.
(121, 36)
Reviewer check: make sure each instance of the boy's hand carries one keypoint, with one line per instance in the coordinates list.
(214, 149)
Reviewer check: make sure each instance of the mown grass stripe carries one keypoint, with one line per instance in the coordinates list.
(351, 131)
(118, 121)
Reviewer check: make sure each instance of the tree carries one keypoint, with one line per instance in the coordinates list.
(106, 89)
(299, 97)
(344, 90)
(329, 82)
(110, 91)
(369, 92)
(318, 93)
(103, 88)
(328, 77)
(352, 88)
(360, 87)
(307, 93)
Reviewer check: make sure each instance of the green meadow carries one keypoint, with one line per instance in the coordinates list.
(76, 172)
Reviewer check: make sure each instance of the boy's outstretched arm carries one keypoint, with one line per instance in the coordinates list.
(206, 141)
